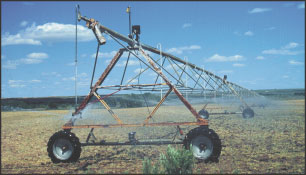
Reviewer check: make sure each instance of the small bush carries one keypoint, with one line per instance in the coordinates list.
(175, 161)
(147, 166)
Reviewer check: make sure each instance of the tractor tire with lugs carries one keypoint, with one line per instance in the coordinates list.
(64, 146)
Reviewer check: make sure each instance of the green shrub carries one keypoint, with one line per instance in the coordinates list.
(175, 161)
(147, 166)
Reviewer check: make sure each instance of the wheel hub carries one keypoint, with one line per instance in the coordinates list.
(202, 147)
(62, 149)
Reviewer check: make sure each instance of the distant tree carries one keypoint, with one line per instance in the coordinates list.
(52, 106)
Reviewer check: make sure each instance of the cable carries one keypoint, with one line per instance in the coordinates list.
(141, 91)
(76, 55)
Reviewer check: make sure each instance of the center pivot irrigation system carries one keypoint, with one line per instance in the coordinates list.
(205, 144)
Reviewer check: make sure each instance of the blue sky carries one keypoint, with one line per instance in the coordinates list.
(259, 45)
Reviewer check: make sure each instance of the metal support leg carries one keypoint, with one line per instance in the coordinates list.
(91, 134)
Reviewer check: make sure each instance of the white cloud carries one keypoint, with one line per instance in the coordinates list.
(280, 52)
(186, 25)
(21, 83)
(301, 6)
(259, 10)
(51, 74)
(131, 63)
(252, 82)
(285, 76)
(81, 75)
(288, 4)
(35, 81)
(138, 70)
(23, 23)
(285, 50)
(192, 47)
(16, 83)
(17, 39)
(35, 55)
(270, 28)
(260, 58)
(249, 33)
(105, 54)
(71, 64)
(238, 65)
(170, 67)
(180, 50)
(49, 32)
(3, 57)
(291, 45)
(225, 71)
(108, 61)
(68, 78)
(219, 58)
(133, 81)
(293, 62)
(84, 83)
(34, 58)
(11, 64)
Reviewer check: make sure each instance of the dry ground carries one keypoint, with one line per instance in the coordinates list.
(272, 142)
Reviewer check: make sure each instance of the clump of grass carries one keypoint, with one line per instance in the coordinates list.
(236, 171)
(175, 161)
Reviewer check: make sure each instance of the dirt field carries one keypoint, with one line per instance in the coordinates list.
(271, 142)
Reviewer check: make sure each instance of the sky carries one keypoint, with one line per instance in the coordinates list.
(258, 45)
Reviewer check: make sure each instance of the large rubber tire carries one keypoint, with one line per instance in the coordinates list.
(248, 113)
(64, 147)
(204, 143)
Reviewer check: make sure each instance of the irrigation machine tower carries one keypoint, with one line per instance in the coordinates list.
(205, 144)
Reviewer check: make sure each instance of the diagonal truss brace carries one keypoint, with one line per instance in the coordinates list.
(176, 91)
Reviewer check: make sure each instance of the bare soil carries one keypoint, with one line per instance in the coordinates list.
(271, 142)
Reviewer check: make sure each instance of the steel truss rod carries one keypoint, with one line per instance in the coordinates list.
(176, 71)
(173, 67)
(127, 62)
(132, 85)
(108, 108)
(99, 82)
(137, 56)
(221, 85)
(197, 81)
(188, 74)
(182, 72)
(180, 96)
(233, 90)
(158, 74)
(207, 82)
(211, 78)
(203, 122)
(158, 105)
(156, 62)
(92, 22)
(150, 89)
(132, 143)
(142, 71)
(94, 69)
